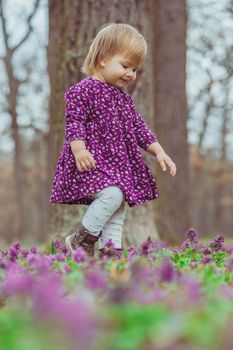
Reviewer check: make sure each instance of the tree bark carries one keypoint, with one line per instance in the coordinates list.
(72, 27)
(169, 61)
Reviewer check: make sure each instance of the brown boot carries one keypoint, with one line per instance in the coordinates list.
(101, 253)
(83, 238)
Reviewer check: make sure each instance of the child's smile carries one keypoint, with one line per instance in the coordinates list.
(116, 71)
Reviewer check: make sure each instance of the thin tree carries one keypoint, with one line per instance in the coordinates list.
(14, 85)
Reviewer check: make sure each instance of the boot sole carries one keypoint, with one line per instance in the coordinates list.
(68, 243)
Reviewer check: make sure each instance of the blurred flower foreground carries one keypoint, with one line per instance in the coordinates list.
(152, 296)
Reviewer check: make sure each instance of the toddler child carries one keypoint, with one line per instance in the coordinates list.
(100, 164)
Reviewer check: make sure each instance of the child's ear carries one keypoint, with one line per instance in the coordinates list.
(103, 63)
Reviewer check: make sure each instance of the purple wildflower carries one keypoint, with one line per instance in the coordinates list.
(158, 245)
(79, 255)
(164, 244)
(59, 257)
(95, 280)
(150, 242)
(4, 252)
(109, 244)
(47, 292)
(176, 250)
(206, 260)
(207, 251)
(132, 251)
(33, 249)
(17, 246)
(166, 270)
(41, 263)
(117, 253)
(79, 319)
(24, 253)
(2, 263)
(110, 250)
(75, 315)
(186, 244)
(57, 243)
(17, 280)
(227, 249)
(217, 243)
(197, 247)
(60, 246)
(145, 247)
(192, 235)
(13, 254)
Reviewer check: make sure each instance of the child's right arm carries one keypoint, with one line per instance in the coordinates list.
(84, 159)
(76, 115)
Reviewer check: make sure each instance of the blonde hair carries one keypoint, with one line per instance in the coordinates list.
(112, 39)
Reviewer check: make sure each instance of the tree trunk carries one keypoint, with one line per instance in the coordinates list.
(72, 27)
(19, 172)
(169, 28)
(18, 162)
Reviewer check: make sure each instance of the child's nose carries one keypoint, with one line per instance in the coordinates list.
(129, 74)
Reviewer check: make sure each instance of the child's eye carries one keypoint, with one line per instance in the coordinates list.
(124, 66)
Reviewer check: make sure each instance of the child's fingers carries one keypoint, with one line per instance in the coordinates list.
(83, 166)
(172, 167)
(79, 166)
(167, 160)
(87, 164)
(93, 163)
(163, 165)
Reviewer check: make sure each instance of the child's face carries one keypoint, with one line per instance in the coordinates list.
(117, 71)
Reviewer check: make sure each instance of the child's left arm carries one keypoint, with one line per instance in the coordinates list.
(149, 142)
(162, 157)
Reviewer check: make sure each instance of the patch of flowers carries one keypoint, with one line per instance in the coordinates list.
(152, 296)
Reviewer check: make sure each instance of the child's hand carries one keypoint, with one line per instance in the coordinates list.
(164, 159)
(84, 160)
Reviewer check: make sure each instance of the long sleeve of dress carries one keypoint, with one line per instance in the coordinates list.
(76, 114)
(145, 137)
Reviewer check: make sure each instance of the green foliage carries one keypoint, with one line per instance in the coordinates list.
(52, 247)
(135, 324)
(20, 331)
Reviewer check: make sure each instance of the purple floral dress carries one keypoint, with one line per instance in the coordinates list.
(104, 117)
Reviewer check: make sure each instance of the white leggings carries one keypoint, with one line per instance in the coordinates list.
(107, 213)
